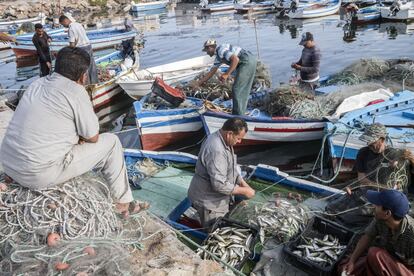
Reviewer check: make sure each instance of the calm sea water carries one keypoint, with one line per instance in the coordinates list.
(179, 33)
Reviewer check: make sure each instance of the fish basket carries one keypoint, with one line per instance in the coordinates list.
(317, 228)
(226, 222)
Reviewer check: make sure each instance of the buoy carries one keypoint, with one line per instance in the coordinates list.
(61, 266)
(53, 239)
(90, 251)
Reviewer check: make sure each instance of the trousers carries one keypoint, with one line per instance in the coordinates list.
(208, 217)
(246, 71)
(378, 262)
(92, 71)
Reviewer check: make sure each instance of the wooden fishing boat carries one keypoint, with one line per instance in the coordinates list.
(100, 39)
(161, 127)
(5, 24)
(367, 14)
(406, 12)
(396, 114)
(222, 5)
(145, 6)
(255, 6)
(287, 4)
(315, 10)
(108, 99)
(138, 83)
(167, 190)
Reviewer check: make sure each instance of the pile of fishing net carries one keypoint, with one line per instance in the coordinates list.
(71, 227)
(107, 71)
(293, 102)
(214, 88)
(392, 70)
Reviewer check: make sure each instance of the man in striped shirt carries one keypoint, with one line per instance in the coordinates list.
(238, 59)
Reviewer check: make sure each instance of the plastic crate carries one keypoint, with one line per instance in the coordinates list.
(318, 227)
(225, 222)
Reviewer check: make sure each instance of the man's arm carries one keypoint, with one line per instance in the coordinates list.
(234, 61)
(39, 51)
(245, 191)
(364, 180)
(361, 247)
(93, 139)
(207, 76)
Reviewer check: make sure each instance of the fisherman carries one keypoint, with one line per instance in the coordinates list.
(41, 41)
(376, 162)
(217, 178)
(54, 134)
(388, 241)
(237, 58)
(378, 166)
(78, 38)
(308, 64)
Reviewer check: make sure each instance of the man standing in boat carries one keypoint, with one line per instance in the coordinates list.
(217, 178)
(79, 39)
(41, 41)
(238, 59)
(309, 62)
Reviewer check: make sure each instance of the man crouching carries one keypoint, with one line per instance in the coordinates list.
(54, 134)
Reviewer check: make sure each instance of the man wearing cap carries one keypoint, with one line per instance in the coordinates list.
(238, 59)
(388, 240)
(376, 162)
(41, 41)
(308, 64)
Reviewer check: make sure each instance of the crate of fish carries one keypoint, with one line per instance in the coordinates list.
(231, 241)
(320, 247)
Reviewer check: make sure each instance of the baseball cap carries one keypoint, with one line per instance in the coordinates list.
(209, 42)
(306, 37)
(393, 200)
(373, 133)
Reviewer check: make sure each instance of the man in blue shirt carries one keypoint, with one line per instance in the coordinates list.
(237, 58)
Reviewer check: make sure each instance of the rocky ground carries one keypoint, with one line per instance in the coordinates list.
(19, 9)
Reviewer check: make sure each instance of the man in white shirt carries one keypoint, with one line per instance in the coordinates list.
(78, 38)
(54, 134)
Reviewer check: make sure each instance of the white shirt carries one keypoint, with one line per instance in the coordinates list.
(77, 35)
(52, 114)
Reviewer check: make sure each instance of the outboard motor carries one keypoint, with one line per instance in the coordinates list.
(128, 48)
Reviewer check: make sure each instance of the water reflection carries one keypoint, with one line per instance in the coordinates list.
(393, 29)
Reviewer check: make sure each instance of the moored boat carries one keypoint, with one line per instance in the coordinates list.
(367, 14)
(5, 24)
(138, 83)
(402, 13)
(146, 6)
(315, 10)
(100, 39)
(255, 6)
(396, 114)
(163, 126)
(222, 5)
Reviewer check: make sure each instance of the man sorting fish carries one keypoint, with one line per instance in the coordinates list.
(239, 60)
(217, 178)
(387, 246)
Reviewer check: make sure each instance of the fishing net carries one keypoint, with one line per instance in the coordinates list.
(262, 78)
(108, 70)
(27, 27)
(46, 232)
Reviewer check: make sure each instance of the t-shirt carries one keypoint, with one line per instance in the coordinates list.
(77, 35)
(52, 114)
(224, 52)
(399, 244)
(378, 166)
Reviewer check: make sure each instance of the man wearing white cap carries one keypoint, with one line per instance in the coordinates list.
(238, 59)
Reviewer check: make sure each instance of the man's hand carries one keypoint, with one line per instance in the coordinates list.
(81, 141)
(194, 85)
(49, 64)
(249, 192)
(224, 77)
(407, 155)
(296, 66)
(349, 267)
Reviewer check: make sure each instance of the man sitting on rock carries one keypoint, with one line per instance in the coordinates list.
(54, 134)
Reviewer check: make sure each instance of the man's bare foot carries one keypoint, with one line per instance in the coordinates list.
(131, 208)
(8, 179)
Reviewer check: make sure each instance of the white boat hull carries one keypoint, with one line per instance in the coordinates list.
(308, 12)
(138, 83)
(404, 14)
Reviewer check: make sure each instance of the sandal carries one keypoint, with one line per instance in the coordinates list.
(134, 208)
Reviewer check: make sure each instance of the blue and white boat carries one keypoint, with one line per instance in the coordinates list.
(100, 39)
(227, 5)
(255, 6)
(146, 6)
(315, 10)
(366, 15)
(164, 126)
(396, 114)
(167, 190)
